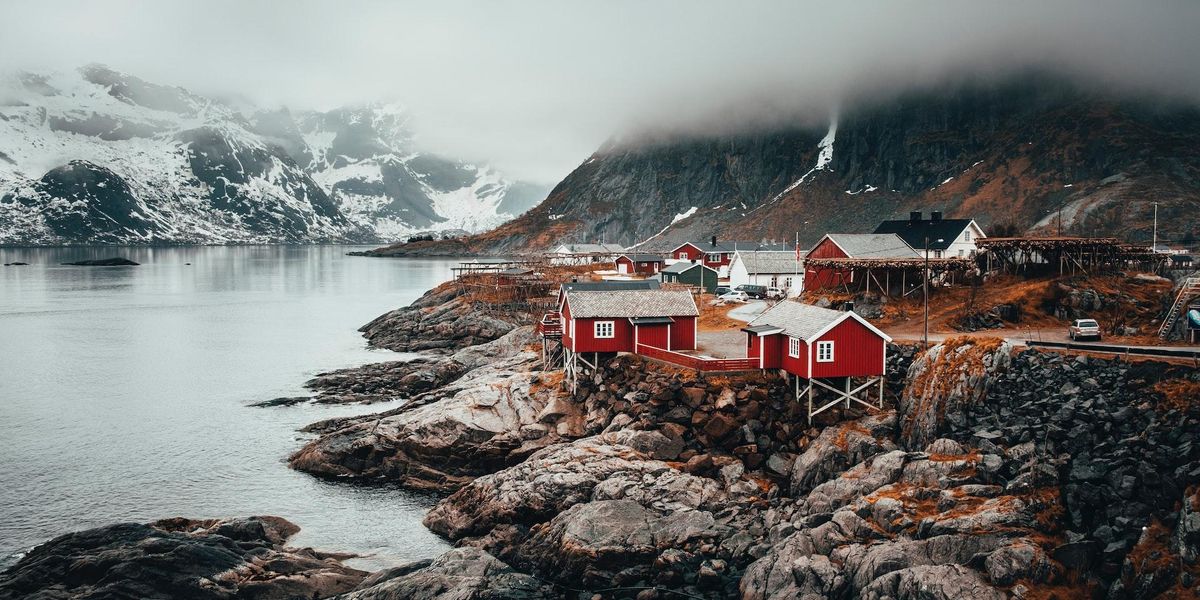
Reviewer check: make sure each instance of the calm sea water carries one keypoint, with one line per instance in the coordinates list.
(124, 390)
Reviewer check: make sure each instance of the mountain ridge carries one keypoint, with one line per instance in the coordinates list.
(100, 157)
(1017, 153)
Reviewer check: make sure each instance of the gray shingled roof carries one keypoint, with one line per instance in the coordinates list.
(683, 266)
(798, 319)
(627, 303)
(643, 257)
(611, 285)
(873, 245)
(771, 262)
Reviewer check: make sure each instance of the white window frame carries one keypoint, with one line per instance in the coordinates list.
(794, 347)
(967, 235)
(937, 253)
(712, 258)
(683, 255)
(825, 351)
(609, 325)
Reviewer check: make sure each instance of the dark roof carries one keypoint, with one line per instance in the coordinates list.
(641, 257)
(915, 232)
(609, 286)
(761, 328)
(683, 266)
(651, 320)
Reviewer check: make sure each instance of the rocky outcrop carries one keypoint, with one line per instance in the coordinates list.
(932, 582)
(839, 447)
(944, 381)
(103, 262)
(179, 559)
(473, 426)
(439, 321)
(458, 574)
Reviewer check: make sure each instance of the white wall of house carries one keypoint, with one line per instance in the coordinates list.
(792, 283)
(962, 246)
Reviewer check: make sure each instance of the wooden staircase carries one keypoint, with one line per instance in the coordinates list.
(1190, 289)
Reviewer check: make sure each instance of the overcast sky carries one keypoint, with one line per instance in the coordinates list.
(535, 87)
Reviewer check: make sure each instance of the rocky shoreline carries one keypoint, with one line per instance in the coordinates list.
(999, 473)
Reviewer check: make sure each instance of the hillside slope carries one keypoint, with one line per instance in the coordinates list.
(1021, 153)
(101, 157)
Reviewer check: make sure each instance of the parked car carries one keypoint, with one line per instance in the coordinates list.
(734, 296)
(1084, 328)
(775, 293)
(754, 291)
(723, 289)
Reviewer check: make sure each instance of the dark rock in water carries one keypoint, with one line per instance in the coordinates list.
(179, 559)
(284, 401)
(116, 261)
(442, 321)
(15, 264)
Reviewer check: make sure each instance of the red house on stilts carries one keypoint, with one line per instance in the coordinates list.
(851, 246)
(611, 321)
(825, 348)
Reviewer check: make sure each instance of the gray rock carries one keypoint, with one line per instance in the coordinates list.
(932, 582)
(839, 447)
(458, 574)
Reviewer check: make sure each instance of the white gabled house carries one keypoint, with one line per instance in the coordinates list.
(770, 268)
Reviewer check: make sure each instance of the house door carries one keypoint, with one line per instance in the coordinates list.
(623, 268)
(653, 335)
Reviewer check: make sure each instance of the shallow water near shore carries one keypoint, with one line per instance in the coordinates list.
(124, 391)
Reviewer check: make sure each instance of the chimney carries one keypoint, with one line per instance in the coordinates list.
(714, 240)
(935, 215)
(914, 216)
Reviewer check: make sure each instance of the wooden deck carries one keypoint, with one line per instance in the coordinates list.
(700, 363)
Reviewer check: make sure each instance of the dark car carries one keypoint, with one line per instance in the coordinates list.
(722, 289)
(754, 291)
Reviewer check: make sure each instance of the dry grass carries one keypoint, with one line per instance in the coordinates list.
(715, 318)
(1179, 394)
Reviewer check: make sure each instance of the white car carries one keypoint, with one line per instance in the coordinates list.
(775, 293)
(1084, 328)
(734, 296)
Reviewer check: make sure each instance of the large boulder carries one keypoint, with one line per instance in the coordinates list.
(458, 574)
(442, 320)
(944, 381)
(592, 541)
(839, 447)
(476, 425)
(932, 582)
(621, 464)
(179, 559)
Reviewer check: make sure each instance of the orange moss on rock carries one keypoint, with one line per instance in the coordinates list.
(1178, 394)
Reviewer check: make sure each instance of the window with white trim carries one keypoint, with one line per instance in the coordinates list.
(713, 258)
(683, 255)
(967, 235)
(604, 329)
(794, 347)
(825, 351)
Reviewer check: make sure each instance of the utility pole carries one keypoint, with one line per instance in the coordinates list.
(1154, 239)
(925, 291)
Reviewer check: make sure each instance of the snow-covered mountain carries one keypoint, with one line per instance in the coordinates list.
(97, 156)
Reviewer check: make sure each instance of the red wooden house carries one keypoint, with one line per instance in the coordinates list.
(711, 254)
(618, 321)
(814, 344)
(870, 246)
(639, 264)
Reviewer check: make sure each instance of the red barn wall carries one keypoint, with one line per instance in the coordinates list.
(857, 352)
(772, 345)
(653, 335)
(566, 323)
(795, 366)
(692, 252)
(753, 345)
(683, 333)
(586, 341)
(818, 278)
